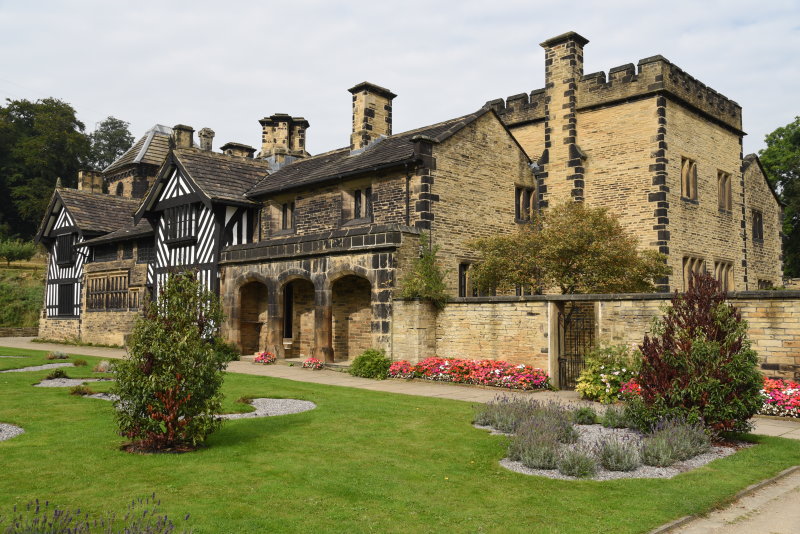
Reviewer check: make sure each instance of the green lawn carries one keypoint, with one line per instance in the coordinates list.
(361, 462)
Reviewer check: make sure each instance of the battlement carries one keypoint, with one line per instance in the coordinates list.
(521, 108)
(656, 75)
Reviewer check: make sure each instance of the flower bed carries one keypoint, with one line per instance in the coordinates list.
(266, 358)
(480, 372)
(781, 397)
(313, 363)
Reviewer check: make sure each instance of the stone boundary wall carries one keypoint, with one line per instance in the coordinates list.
(30, 331)
(523, 329)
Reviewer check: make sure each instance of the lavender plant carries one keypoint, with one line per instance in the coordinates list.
(618, 454)
(577, 462)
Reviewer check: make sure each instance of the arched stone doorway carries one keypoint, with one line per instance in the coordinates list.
(252, 316)
(352, 317)
(298, 319)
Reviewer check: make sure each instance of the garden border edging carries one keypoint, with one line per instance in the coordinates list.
(669, 527)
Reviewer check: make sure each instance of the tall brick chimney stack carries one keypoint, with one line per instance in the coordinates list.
(372, 114)
(183, 136)
(563, 172)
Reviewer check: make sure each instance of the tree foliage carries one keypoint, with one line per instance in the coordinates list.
(39, 142)
(169, 384)
(16, 250)
(781, 160)
(572, 247)
(698, 364)
(425, 279)
(108, 142)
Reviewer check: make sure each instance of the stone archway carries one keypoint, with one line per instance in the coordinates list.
(253, 303)
(351, 323)
(298, 318)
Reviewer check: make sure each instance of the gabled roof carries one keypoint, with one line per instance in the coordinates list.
(219, 176)
(392, 150)
(216, 177)
(130, 231)
(151, 148)
(93, 213)
(749, 160)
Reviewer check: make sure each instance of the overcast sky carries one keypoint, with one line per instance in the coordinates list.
(224, 65)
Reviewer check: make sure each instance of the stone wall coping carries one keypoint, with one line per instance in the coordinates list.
(606, 297)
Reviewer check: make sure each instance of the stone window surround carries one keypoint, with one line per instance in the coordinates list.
(688, 179)
(724, 191)
(723, 272)
(524, 197)
(692, 264)
(757, 216)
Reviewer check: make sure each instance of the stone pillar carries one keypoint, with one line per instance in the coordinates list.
(323, 323)
(563, 173)
(273, 324)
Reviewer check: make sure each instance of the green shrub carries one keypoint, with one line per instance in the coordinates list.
(425, 278)
(585, 415)
(505, 414)
(103, 366)
(577, 462)
(79, 363)
(371, 363)
(699, 366)
(227, 352)
(616, 454)
(169, 384)
(56, 373)
(658, 450)
(81, 390)
(56, 355)
(615, 417)
(607, 368)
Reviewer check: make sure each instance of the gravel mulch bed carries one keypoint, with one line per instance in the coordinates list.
(67, 382)
(9, 431)
(589, 436)
(264, 407)
(38, 367)
(270, 407)
(12, 356)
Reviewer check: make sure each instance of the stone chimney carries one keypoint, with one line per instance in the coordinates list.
(206, 136)
(90, 180)
(563, 172)
(372, 114)
(283, 135)
(297, 137)
(183, 136)
(238, 150)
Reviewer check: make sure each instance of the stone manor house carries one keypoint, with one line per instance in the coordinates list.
(307, 251)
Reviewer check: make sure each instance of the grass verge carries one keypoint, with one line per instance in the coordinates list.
(362, 461)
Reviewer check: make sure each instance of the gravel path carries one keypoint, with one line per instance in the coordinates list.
(67, 382)
(38, 367)
(12, 356)
(590, 434)
(9, 431)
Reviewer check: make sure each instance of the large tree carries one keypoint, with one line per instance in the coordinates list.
(781, 160)
(572, 247)
(109, 141)
(39, 142)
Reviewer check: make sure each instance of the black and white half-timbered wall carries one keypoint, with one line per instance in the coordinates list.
(197, 206)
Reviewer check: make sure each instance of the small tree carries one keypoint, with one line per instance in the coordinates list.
(169, 385)
(16, 250)
(576, 248)
(699, 364)
(425, 279)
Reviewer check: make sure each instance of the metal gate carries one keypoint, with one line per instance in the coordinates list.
(575, 340)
